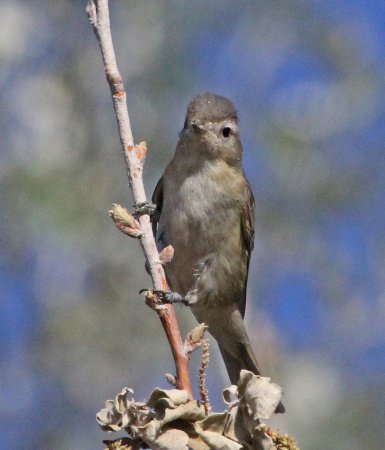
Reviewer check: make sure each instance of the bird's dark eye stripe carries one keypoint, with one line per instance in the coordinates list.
(226, 132)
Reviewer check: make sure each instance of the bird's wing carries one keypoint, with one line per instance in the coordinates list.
(157, 199)
(247, 227)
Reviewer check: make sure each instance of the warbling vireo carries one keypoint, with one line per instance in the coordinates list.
(205, 210)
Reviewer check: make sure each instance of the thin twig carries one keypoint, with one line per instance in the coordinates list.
(98, 15)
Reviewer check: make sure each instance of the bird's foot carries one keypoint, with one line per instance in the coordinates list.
(168, 296)
(144, 208)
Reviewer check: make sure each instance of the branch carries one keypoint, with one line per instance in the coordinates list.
(98, 15)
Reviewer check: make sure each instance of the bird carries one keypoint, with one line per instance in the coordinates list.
(205, 209)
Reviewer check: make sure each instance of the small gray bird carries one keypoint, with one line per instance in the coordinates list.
(205, 210)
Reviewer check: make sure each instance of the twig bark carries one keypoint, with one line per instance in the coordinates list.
(98, 15)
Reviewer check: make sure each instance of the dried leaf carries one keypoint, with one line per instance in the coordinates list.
(167, 398)
(157, 437)
(115, 415)
(190, 412)
(215, 422)
(196, 443)
(214, 431)
(122, 412)
(171, 421)
(171, 439)
(216, 441)
(229, 395)
(148, 432)
(259, 393)
(262, 441)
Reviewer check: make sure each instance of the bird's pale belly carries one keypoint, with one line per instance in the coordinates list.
(207, 258)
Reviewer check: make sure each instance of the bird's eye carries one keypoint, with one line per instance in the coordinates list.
(226, 132)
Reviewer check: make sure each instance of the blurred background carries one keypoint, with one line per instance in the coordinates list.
(308, 80)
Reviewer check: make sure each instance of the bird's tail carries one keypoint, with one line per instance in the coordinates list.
(243, 358)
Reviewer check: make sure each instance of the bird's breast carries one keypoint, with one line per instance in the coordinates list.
(201, 219)
(199, 209)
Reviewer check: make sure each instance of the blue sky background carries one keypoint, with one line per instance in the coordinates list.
(308, 80)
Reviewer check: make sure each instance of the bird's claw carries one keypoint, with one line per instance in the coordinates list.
(168, 297)
(144, 208)
(171, 297)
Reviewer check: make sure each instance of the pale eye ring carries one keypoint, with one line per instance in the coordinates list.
(226, 132)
